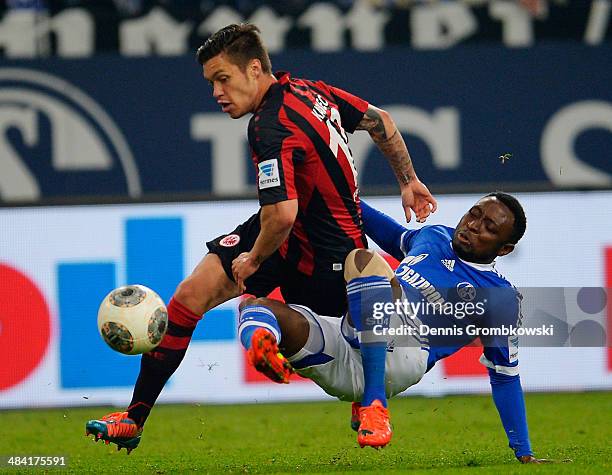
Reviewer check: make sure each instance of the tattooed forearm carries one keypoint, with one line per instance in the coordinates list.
(395, 151)
(392, 147)
(374, 124)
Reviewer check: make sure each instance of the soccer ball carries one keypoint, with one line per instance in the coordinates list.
(132, 319)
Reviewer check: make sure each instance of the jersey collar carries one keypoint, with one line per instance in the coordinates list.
(282, 76)
(490, 267)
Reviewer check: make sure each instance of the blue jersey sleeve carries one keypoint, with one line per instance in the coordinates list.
(500, 356)
(391, 236)
(500, 352)
(508, 398)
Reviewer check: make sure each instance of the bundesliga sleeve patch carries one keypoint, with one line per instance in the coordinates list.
(513, 342)
(269, 175)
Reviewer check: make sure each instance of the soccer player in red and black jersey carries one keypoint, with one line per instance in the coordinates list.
(309, 219)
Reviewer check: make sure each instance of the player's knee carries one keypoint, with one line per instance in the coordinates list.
(188, 294)
(263, 301)
(365, 263)
(247, 302)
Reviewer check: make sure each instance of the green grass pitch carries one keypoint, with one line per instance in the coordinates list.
(457, 434)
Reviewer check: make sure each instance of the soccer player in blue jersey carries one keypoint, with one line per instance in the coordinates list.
(453, 268)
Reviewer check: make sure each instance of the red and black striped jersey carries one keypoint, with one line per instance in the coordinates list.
(299, 144)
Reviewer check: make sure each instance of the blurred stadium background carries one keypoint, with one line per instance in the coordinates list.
(116, 166)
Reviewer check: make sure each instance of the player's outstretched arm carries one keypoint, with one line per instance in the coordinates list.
(500, 356)
(386, 136)
(510, 403)
(383, 230)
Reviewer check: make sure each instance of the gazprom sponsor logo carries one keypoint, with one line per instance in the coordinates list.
(416, 280)
(56, 140)
(413, 260)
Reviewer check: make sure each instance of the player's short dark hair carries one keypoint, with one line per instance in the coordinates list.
(241, 43)
(520, 220)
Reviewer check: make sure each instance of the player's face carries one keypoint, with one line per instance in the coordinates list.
(235, 90)
(484, 231)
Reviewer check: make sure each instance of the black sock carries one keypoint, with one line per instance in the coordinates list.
(157, 366)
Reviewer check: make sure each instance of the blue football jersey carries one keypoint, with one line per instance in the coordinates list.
(459, 300)
(467, 300)
(453, 301)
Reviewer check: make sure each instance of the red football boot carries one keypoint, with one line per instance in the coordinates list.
(375, 428)
(267, 359)
(117, 428)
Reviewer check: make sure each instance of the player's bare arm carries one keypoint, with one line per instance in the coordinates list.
(386, 136)
(276, 222)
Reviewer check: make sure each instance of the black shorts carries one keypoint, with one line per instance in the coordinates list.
(323, 293)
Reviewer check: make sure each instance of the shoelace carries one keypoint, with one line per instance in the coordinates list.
(117, 428)
(379, 422)
(114, 416)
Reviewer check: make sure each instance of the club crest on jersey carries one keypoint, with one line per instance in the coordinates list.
(269, 175)
(230, 240)
(466, 291)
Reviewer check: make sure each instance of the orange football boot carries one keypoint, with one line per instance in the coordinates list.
(117, 428)
(375, 428)
(267, 359)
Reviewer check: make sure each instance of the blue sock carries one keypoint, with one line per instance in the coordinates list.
(363, 294)
(373, 359)
(253, 317)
